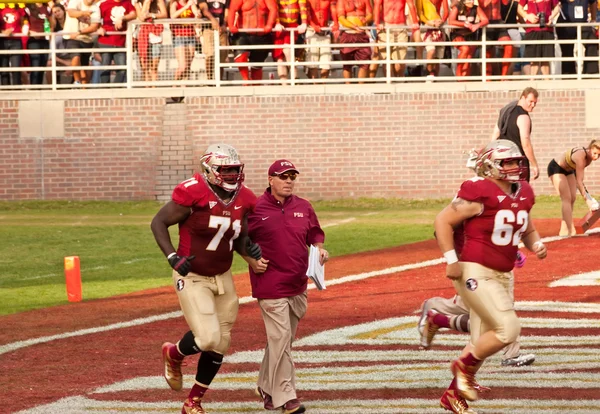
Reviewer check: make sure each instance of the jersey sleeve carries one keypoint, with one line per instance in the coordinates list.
(189, 193)
(471, 191)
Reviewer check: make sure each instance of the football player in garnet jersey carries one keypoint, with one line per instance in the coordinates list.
(494, 209)
(210, 209)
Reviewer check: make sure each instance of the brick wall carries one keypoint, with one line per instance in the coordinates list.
(367, 145)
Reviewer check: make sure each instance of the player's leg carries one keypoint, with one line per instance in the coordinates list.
(437, 312)
(276, 367)
(197, 299)
(487, 293)
(561, 184)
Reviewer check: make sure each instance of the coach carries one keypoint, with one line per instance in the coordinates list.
(284, 225)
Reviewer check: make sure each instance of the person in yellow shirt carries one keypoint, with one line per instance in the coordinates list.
(433, 13)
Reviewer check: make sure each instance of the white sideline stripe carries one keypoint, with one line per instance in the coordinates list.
(87, 269)
(337, 223)
(246, 299)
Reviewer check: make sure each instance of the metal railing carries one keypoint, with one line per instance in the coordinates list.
(203, 71)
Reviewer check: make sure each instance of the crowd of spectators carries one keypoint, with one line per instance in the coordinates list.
(83, 25)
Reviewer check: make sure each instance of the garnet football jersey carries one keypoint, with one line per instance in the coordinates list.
(492, 237)
(209, 231)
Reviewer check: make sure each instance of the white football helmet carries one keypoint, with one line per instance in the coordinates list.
(218, 157)
(490, 162)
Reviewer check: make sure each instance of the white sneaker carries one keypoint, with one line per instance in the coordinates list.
(519, 361)
(423, 319)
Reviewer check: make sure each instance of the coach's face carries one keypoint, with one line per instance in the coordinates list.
(282, 185)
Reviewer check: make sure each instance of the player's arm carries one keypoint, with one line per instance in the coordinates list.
(580, 164)
(531, 239)
(250, 251)
(524, 124)
(170, 214)
(450, 217)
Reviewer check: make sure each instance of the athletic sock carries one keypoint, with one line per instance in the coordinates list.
(441, 320)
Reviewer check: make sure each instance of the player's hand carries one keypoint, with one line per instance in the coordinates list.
(453, 271)
(535, 172)
(181, 264)
(253, 249)
(259, 266)
(540, 250)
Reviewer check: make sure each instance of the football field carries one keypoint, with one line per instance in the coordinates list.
(356, 351)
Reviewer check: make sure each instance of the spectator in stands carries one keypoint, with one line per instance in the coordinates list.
(572, 11)
(509, 16)
(433, 13)
(12, 19)
(543, 13)
(115, 14)
(216, 11)
(493, 10)
(150, 35)
(466, 14)
(83, 19)
(391, 12)
(38, 14)
(320, 12)
(184, 36)
(291, 14)
(354, 15)
(62, 59)
(252, 14)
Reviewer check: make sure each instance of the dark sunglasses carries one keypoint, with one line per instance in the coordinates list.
(284, 177)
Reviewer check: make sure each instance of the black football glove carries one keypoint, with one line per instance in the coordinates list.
(252, 249)
(181, 263)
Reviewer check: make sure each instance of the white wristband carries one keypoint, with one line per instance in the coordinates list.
(171, 255)
(451, 256)
(536, 244)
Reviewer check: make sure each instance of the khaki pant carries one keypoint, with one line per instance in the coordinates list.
(489, 294)
(277, 375)
(208, 44)
(210, 307)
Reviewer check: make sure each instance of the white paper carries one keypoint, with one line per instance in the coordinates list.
(316, 271)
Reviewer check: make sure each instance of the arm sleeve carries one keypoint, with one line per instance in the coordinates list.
(315, 233)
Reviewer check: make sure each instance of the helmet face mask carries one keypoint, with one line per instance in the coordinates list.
(493, 158)
(221, 166)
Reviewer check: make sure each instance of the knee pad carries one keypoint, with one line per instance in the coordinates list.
(208, 342)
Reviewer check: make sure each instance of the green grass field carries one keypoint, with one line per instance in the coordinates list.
(118, 253)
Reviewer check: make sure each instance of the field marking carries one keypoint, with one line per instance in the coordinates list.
(246, 299)
(337, 223)
(583, 279)
(85, 269)
(77, 405)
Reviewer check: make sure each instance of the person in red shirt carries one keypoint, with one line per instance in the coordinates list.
(150, 35)
(284, 225)
(38, 14)
(494, 209)
(184, 35)
(12, 20)
(251, 14)
(292, 14)
(543, 13)
(115, 14)
(210, 209)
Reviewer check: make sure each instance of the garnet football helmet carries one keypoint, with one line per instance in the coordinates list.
(492, 158)
(217, 158)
